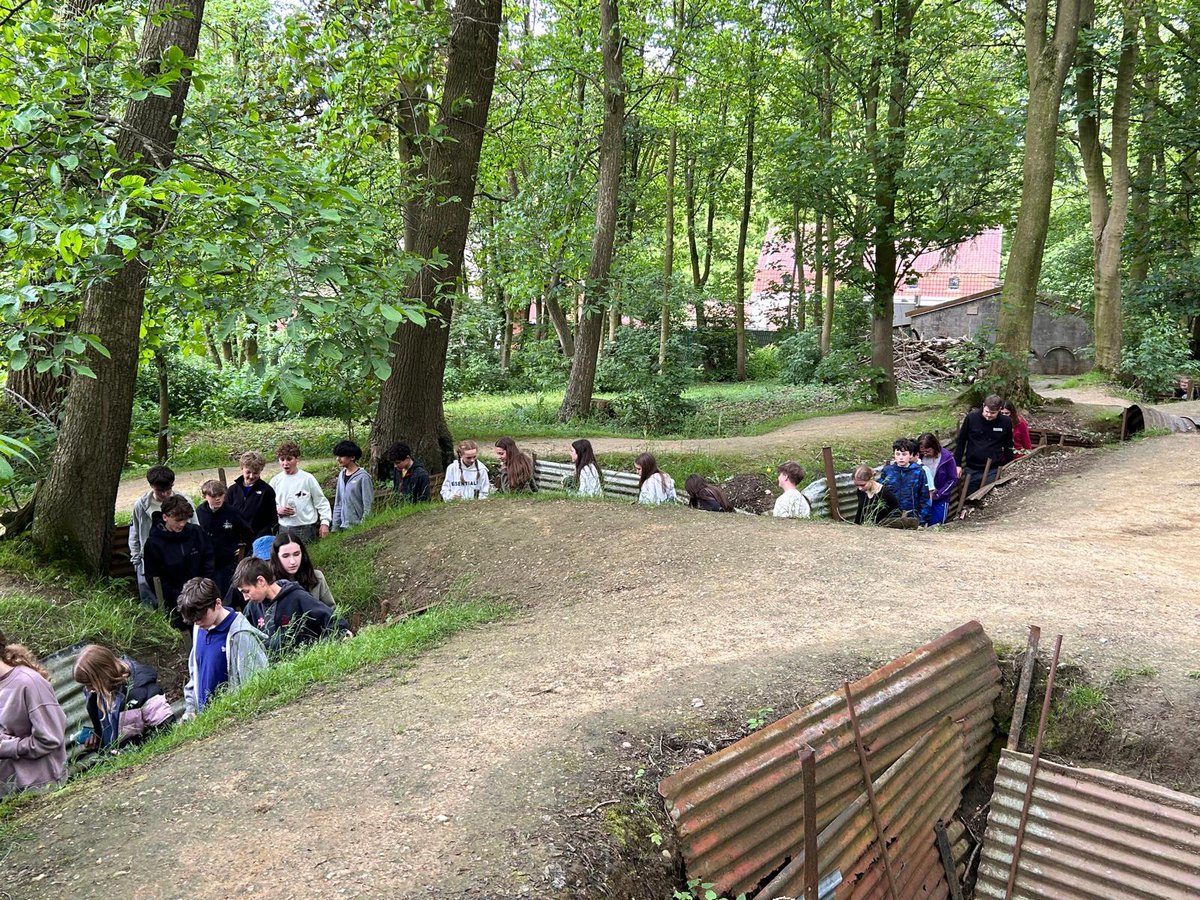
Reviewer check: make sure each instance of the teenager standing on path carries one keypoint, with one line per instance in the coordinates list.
(302, 505)
(355, 490)
(253, 497)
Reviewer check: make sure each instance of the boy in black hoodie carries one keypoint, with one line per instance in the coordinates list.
(226, 529)
(176, 552)
(289, 615)
(410, 481)
(253, 498)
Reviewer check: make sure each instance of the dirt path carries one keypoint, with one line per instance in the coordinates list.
(463, 775)
(189, 482)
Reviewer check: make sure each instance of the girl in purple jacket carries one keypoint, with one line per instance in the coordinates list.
(943, 473)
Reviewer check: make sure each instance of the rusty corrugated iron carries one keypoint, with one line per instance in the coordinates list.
(1092, 835)
(738, 813)
(1139, 418)
(817, 495)
(61, 666)
(919, 789)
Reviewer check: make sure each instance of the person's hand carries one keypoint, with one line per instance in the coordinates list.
(324, 530)
(285, 510)
(92, 742)
(960, 471)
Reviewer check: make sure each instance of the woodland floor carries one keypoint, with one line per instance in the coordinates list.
(490, 767)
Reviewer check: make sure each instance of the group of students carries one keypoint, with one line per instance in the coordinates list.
(917, 486)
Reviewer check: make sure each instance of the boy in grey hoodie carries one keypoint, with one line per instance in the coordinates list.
(226, 649)
(355, 489)
(147, 512)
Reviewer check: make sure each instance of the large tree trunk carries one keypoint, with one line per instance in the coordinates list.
(577, 402)
(164, 406)
(887, 151)
(1149, 147)
(1048, 62)
(410, 400)
(1108, 212)
(44, 392)
(739, 305)
(74, 515)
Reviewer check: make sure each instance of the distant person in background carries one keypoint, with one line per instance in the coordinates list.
(940, 467)
(907, 479)
(466, 477)
(984, 436)
(656, 486)
(33, 741)
(125, 705)
(226, 648)
(587, 470)
(355, 490)
(1022, 443)
(177, 552)
(410, 481)
(791, 503)
(299, 500)
(147, 512)
(289, 559)
(516, 467)
(702, 495)
(253, 498)
(875, 502)
(227, 531)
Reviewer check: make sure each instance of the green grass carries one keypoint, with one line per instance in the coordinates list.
(62, 607)
(329, 662)
(1126, 675)
(221, 445)
(1093, 378)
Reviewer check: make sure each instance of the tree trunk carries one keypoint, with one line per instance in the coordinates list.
(410, 400)
(74, 515)
(1149, 146)
(164, 407)
(577, 402)
(250, 347)
(797, 288)
(829, 288)
(739, 305)
(506, 340)
(664, 334)
(558, 317)
(1108, 213)
(42, 391)
(1048, 61)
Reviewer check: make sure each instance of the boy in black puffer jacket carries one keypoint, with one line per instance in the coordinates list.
(226, 531)
(177, 552)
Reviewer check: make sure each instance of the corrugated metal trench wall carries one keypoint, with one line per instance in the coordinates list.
(739, 813)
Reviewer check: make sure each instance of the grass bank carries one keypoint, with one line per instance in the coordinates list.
(329, 662)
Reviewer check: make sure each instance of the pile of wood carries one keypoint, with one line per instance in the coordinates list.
(925, 364)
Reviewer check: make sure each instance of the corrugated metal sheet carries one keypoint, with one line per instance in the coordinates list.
(738, 813)
(1092, 835)
(922, 787)
(1139, 418)
(549, 477)
(817, 494)
(61, 666)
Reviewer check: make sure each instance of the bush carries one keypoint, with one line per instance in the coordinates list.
(240, 396)
(1156, 354)
(190, 383)
(763, 364)
(647, 400)
(716, 348)
(799, 356)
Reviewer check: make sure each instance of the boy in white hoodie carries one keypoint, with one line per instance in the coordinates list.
(303, 507)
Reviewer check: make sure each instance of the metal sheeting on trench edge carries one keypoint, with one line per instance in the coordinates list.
(923, 787)
(1091, 835)
(739, 814)
(1139, 418)
(61, 666)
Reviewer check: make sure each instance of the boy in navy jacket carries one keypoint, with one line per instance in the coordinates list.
(908, 480)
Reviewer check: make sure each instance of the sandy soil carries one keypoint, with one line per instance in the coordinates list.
(459, 776)
(189, 482)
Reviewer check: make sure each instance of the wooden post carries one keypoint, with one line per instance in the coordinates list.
(221, 477)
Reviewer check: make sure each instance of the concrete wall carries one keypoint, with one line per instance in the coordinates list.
(1057, 339)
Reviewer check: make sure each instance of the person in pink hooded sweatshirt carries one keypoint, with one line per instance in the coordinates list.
(33, 744)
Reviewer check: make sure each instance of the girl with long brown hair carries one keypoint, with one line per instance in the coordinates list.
(516, 467)
(124, 702)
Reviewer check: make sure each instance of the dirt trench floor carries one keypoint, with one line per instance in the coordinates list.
(472, 772)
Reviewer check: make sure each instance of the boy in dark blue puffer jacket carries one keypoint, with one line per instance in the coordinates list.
(908, 480)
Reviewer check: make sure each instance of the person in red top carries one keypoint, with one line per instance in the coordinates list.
(1021, 442)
